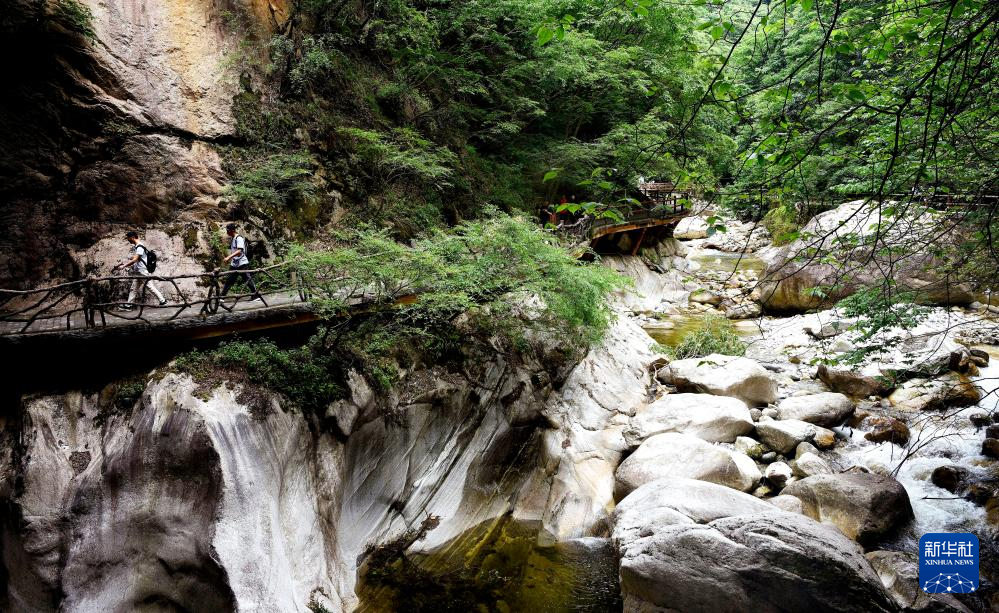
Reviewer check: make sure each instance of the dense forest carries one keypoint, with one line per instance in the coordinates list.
(417, 115)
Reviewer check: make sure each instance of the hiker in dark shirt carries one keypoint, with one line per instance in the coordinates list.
(237, 260)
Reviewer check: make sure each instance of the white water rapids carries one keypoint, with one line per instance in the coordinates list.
(937, 439)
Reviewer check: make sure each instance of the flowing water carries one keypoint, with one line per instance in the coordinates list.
(940, 439)
(673, 329)
(722, 261)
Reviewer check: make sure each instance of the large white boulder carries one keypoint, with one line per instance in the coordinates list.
(712, 418)
(722, 375)
(829, 246)
(696, 546)
(825, 408)
(683, 456)
(690, 228)
(669, 501)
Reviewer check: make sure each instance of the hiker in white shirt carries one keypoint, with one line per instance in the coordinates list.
(136, 265)
(238, 260)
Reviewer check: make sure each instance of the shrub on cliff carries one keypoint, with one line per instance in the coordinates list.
(716, 334)
(510, 273)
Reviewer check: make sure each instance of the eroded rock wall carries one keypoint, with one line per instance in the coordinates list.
(192, 500)
(118, 129)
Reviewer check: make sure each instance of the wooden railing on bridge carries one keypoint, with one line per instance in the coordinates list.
(663, 204)
(95, 302)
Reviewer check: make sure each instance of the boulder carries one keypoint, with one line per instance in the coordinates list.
(746, 310)
(899, 573)
(684, 456)
(980, 419)
(808, 464)
(665, 502)
(791, 275)
(722, 375)
(864, 506)
(828, 330)
(751, 447)
(784, 435)
(765, 562)
(712, 418)
(824, 439)
(824, 409)
(704, 296)
(690, 228)
(887, 430)
(949, 390)
(777, 474)
(949, 477)
(992, 432)
(990, 448)
(789, 504)
(849, 383)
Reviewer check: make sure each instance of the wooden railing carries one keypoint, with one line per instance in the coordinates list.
(664, 207)
(93, 302)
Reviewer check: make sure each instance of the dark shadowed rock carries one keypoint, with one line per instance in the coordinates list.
(888, 430)
(949, 477)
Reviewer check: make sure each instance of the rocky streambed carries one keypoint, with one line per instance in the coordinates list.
(527, 482)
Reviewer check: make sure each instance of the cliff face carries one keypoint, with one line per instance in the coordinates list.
(119, 128)
(191, 500)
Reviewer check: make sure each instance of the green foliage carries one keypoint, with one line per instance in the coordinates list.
(275, 181)
(403, 153)
(782, 223)
(277, 186)
(75, 16)
(305, 375)
(510, 274)
(879, 309)
(716, 334)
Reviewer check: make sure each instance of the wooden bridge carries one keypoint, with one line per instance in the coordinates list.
(662, 206)
(91, 308)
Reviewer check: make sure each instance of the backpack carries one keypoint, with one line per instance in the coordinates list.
(247, 247)
(254, 249)
(150, 258)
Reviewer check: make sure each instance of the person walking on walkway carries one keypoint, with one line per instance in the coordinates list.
(136, 265)
(238, 260)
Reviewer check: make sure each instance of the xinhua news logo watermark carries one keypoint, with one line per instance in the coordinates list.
(948, 563)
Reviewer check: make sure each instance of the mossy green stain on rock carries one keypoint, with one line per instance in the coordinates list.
(494, 567)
